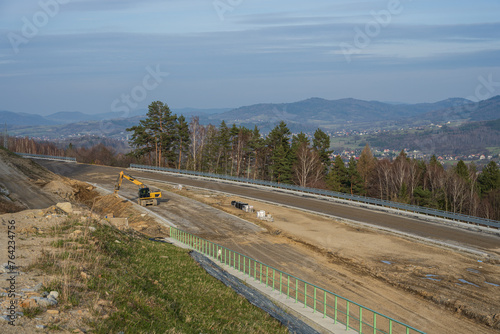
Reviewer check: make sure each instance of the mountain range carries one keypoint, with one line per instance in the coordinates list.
(306, 115)
(334, 114)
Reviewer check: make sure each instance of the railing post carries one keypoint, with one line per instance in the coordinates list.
(288, 286)
(360, 320)
(305, 294)
(347, 313)
(314, 304)
(335, 319)
(296, 291)
(280, 281)
(324, 306)
(374, 323)
(267, 274)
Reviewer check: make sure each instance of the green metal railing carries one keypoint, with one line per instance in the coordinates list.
(341, 310)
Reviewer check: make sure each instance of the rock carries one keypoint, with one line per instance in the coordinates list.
(92, 229)
(29, 303)
(45, 302)
(60, 188)
(4, 317)
(41, 326)
(52, 311)
(104, 222)
(120, 223)
(54, 294)
(65, 206)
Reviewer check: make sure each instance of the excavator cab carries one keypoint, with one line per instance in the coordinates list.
(144, 192)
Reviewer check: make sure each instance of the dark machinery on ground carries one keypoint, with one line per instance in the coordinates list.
(146, 196)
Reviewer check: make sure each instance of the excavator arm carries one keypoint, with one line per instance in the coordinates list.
(128, 177)
(146, 196)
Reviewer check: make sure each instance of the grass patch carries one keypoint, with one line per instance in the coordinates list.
(147, 287)
(32, 312)
(58, 244)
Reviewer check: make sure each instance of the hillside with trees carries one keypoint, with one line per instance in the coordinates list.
(166, 140)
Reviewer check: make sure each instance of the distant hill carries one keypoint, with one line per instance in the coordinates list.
(12, 118)
(469, 138)
(328, 114)
(67, 117)
(481, 111)
(307, 116)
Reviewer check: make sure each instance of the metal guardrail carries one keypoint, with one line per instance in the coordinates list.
(46, 157)
(328, 193)
(342, 310)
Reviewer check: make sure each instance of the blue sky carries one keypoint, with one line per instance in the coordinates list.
(99, 56)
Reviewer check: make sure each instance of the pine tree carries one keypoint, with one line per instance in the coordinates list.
(435, 162)
(321, 143)
(337, 178)
(462, 171)
(279, 148)
(354, 181)
(366, 164)
(489, 179)
(182, 139)
(142, 142)
(224, 144)
(257, 146)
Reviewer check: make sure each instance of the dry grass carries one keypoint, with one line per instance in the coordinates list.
(131, 284)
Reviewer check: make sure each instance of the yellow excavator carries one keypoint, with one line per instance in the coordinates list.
(146, 196)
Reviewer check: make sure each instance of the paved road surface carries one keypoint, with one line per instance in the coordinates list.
(435, 231)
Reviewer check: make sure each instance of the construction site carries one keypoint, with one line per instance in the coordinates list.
(438, 277)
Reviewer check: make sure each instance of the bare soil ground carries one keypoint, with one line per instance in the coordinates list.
(433, 288)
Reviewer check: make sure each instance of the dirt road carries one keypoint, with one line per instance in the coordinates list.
(434, 289)
(420, 228)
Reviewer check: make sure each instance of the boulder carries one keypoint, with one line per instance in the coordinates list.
(66, 207)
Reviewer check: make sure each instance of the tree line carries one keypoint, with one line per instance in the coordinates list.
(166, 140)
(163, 139)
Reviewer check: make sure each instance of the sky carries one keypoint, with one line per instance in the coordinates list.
(98, 56)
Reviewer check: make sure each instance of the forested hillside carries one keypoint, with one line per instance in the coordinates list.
(163, 139)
